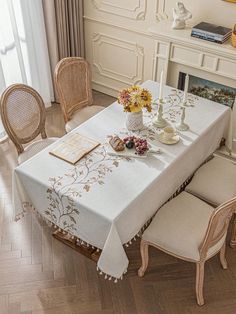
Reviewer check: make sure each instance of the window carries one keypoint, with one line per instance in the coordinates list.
(23, 48)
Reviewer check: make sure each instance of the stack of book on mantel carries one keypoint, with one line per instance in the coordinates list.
(215, 33)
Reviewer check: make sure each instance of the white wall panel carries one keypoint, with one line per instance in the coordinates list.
(118, 57)
(129, 69)
(133, 9)
(122, 51)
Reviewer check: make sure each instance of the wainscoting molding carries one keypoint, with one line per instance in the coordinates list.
(161, 10)
(136, 11)
(116, 26)
(105, 51)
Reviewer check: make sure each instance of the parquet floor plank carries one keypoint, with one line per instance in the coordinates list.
(14, 262)
(26, 287)
(14, 308)
(4, 304)
(54, 297)
(47, 251)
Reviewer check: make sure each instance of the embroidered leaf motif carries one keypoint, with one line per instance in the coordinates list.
(86, 188)
(115, 163)
(73, 219)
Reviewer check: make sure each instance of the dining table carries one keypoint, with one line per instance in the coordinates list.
(106, 200)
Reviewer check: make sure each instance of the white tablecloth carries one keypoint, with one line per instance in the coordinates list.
(105, 200)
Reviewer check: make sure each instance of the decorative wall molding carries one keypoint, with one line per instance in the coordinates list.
(113, 25)
(161, 10)
(135, 11)
(107, 48)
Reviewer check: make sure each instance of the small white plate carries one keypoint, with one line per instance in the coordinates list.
(175, 139)
(131, 152)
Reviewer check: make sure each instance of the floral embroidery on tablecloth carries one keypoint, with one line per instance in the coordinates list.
(65, 190)
(172, 113)
(173, 104)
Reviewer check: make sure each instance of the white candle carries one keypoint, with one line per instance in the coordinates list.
(186, 87)
(161, 85)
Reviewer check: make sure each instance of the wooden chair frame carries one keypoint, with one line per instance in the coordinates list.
(65, 63)
(209, 241)
(233, 234)
(41, 127)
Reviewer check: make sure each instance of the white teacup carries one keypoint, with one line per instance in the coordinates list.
(169, 132)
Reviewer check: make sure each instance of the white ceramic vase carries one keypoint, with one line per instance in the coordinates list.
(134, 121)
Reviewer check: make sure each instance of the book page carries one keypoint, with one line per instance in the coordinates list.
(74, 147)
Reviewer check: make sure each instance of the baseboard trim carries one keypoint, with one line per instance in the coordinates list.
(225, 155)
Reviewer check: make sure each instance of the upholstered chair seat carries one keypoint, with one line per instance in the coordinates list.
(81, 116)
(214, 182)
(190, 229)
(180, 225)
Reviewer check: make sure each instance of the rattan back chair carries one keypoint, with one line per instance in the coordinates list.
(218, 226)
(213, 239)
(23, 114)
(73, 84)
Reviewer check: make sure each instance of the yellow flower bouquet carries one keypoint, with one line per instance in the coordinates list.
(135, 98)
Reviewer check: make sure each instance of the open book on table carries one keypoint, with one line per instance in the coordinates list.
(74, 147)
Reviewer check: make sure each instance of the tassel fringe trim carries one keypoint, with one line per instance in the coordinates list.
(50, 224)
(108, 277)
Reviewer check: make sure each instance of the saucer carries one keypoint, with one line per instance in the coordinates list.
(175, 139)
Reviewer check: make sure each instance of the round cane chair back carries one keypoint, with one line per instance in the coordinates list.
(23, 114)
(73, 84)
(218, 226)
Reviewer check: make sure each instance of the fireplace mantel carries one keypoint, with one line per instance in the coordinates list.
(164, 31)
(177, 51)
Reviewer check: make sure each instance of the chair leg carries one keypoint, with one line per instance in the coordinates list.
(233, 236)
(144, 256)
(223, 258)
(199, 282)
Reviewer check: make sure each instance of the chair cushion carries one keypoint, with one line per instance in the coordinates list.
(35, 148)
(180, 225)
(81, 116)
(214, 182)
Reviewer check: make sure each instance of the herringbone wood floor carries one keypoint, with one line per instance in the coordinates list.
(40, 275)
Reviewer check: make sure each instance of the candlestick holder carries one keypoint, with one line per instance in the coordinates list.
(158, 120)
(182, 126)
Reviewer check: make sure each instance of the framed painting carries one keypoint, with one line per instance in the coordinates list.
(201, 87)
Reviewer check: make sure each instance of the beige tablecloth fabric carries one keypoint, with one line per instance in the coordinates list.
(105, 200)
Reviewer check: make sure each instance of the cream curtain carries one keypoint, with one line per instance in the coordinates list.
(64, 28)
(69, 21)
